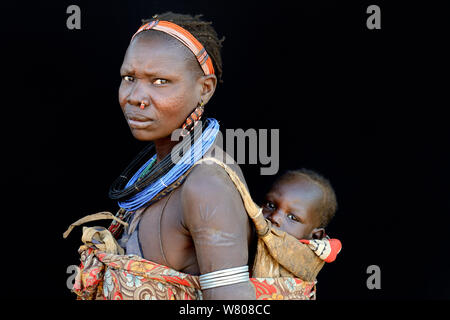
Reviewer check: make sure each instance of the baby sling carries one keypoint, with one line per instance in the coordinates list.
(283, 268)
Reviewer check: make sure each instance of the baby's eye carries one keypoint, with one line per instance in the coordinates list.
(128, 78)
(292, 217)
(160, 81)
(270, 205)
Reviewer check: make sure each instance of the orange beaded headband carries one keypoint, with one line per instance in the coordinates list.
(186, 38)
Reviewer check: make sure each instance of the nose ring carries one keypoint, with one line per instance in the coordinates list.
(142, 105)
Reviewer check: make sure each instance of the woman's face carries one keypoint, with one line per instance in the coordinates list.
(159, 73)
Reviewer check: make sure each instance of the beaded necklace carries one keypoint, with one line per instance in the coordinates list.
(194, 153)
(146, 170)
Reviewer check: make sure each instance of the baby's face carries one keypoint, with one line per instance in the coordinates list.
(291, 206)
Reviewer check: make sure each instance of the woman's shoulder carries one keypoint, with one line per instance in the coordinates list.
(208, 190)
(209, 178)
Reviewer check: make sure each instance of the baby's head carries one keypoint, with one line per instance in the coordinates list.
(301, 203)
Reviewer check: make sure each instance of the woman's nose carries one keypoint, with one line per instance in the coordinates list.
(137, 95)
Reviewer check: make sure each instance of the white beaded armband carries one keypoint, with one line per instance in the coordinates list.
(224, 277)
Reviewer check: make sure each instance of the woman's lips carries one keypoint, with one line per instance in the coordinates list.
(139, 122)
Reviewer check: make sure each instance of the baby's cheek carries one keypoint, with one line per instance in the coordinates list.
(298, 232)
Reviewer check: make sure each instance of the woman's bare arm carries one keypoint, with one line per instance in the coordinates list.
(215, 216)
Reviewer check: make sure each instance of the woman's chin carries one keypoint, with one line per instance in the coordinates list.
(142, 135)
(149, 135)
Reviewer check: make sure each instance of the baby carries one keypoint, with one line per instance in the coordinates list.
(301, 203)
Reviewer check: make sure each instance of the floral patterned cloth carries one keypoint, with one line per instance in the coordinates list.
(108, 276)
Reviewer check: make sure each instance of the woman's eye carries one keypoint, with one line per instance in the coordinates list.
(160, 81)
(128, 78)
(292, 217)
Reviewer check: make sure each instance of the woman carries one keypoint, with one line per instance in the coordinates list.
(200, 226)
(187, 233)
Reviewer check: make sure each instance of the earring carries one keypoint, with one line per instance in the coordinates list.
(142, 106)
(193, 119)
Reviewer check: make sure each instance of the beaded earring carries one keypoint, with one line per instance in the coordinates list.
(192, 120)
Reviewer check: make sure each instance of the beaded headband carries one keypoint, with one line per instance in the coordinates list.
(186, 38)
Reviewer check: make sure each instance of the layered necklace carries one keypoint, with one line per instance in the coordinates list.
(144, 179)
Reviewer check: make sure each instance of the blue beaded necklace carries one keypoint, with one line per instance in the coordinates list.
(195, 153)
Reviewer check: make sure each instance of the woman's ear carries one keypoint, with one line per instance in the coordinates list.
(318, 233)
(208, 88)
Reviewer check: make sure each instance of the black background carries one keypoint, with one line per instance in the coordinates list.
(365, 108)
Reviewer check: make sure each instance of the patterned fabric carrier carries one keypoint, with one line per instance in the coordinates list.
(106, 272)
(122, 277)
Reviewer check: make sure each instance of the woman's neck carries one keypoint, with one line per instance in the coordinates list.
(163, 147)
